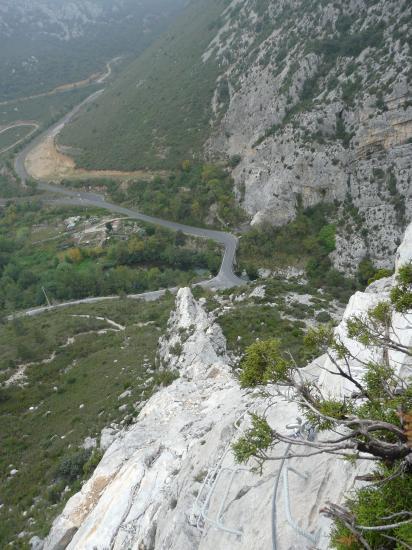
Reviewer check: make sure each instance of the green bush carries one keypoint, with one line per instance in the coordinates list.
(341, 132)
(261, 360)
(366, 271)
(370, 504)
(92, 462)
(349, 44)
(165, 377)
(323, 317)
(380, 274)
(327, 237)
(234, 160)
(176, 349)
(71, 467)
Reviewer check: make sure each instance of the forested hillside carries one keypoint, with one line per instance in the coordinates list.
(47, 43)
(308, 101)
(159, 109)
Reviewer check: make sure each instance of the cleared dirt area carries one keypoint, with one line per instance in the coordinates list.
(45, 162)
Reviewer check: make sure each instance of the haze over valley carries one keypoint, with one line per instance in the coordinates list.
(205, 274)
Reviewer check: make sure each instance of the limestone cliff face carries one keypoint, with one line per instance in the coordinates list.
(170, 481)
(318, 106)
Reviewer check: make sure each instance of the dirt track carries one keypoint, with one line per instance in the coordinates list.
(17, 124)
(95, 78)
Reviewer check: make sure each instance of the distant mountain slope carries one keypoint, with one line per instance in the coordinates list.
(220, 51)
(159, 110)
(44, 43)
(311, 100)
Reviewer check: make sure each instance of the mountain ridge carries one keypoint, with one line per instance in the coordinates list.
(162, 481)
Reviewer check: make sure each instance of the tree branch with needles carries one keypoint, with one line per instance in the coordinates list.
(369, 419)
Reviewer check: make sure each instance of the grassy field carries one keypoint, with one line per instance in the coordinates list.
(80, 367)
(159, 108)
(44, 110)
(12, 135)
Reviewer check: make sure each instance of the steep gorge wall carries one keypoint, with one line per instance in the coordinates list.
(318, 106)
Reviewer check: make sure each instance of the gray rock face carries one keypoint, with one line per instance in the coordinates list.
(170, 481)
(193, 342)
(312, 126)
(107, 437)
(36, 543)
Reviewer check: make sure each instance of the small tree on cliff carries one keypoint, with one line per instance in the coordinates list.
(374, 423)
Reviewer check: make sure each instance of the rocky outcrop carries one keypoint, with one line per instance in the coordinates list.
(193, 342)
(143, 489)
(170, 480)
(314, 120)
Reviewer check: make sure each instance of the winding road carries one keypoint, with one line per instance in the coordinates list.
(226, 278)
(92, 79)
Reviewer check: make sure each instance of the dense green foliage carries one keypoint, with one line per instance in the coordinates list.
(257, 362)
(401, 296)
(80, 368)
(194, 194)
(307, 240)
(150, 258)
(246, 323)
(372, 503)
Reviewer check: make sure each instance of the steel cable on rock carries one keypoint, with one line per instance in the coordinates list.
(304, 431)
(275, 491)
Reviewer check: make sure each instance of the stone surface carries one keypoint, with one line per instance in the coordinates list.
(170, 482)
(90, 443)
(107, 437)
(258, 292)
(36, 543)
(288, 160)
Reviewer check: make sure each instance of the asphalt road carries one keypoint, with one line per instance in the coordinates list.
(226, 278)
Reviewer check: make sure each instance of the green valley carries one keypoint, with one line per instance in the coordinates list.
(71, 254)
(159, 107)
